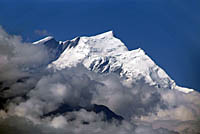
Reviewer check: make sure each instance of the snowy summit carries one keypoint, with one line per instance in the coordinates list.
(104, 53)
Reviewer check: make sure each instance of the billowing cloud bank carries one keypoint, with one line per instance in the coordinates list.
(32, 98)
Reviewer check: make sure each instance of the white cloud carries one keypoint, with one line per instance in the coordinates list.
(144, 108)
(58, 122)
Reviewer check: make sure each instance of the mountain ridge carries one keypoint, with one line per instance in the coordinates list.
(104, 53)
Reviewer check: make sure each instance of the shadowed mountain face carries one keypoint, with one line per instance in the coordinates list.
(108, 114)
(53, 47)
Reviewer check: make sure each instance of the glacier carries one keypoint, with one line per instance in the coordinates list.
(104, 53)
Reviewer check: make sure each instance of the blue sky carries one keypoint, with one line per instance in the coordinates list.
(168, 30)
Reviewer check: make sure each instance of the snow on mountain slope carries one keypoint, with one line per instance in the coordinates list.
(42, 41)
(104, 53)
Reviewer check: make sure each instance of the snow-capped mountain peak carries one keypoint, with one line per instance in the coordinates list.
(104, 53)
(108, 34)
(104, 43)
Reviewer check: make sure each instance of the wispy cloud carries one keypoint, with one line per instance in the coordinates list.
(41, 32)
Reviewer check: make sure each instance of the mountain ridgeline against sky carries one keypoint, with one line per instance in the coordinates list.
(104, 53)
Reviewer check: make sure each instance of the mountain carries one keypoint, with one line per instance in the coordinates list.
(53, 47)
(109, 115)
(104, 53)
